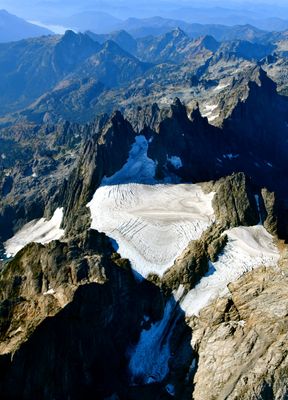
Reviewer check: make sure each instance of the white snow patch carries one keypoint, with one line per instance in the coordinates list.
(247, 248)
(150, 357)
(3, 156)
(221, 86)
(138, 168)
(18, 330)
(210, 107)
(166, 100)
(231, 156)
(152, 224)
(39, 231)
(175, 161)
(212, 118)
(170, 389)
(49, 292)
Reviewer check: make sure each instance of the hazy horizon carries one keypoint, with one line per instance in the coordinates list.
(126, 8)
(59, 15)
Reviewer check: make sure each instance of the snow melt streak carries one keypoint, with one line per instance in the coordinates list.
(39, 231)
(149, 360)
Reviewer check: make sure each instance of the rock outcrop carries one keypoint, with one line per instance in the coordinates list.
(242, 341)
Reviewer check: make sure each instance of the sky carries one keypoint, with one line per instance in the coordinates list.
(56, 11)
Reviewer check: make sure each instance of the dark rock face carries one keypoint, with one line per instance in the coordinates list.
(271, 222)
(103, 155)
(255, 119)
(234, 202)
(189, 268)
(177, 135)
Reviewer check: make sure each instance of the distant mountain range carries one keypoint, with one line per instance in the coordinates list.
(13, 28)
(81, 74)
(219, 32)
(77, 76)
(186, 18)
(98, 21)
(102, 23)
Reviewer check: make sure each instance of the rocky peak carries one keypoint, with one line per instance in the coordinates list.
(263, 80)
(179, 33)
(69, 35)
(72, 50)
(112, 46)
(195, 114)
(208, 42)
(70, 39)
(178, 110)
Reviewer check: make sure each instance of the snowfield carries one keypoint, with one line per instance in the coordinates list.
(152, 224)
(247, 248)
(39, 231)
